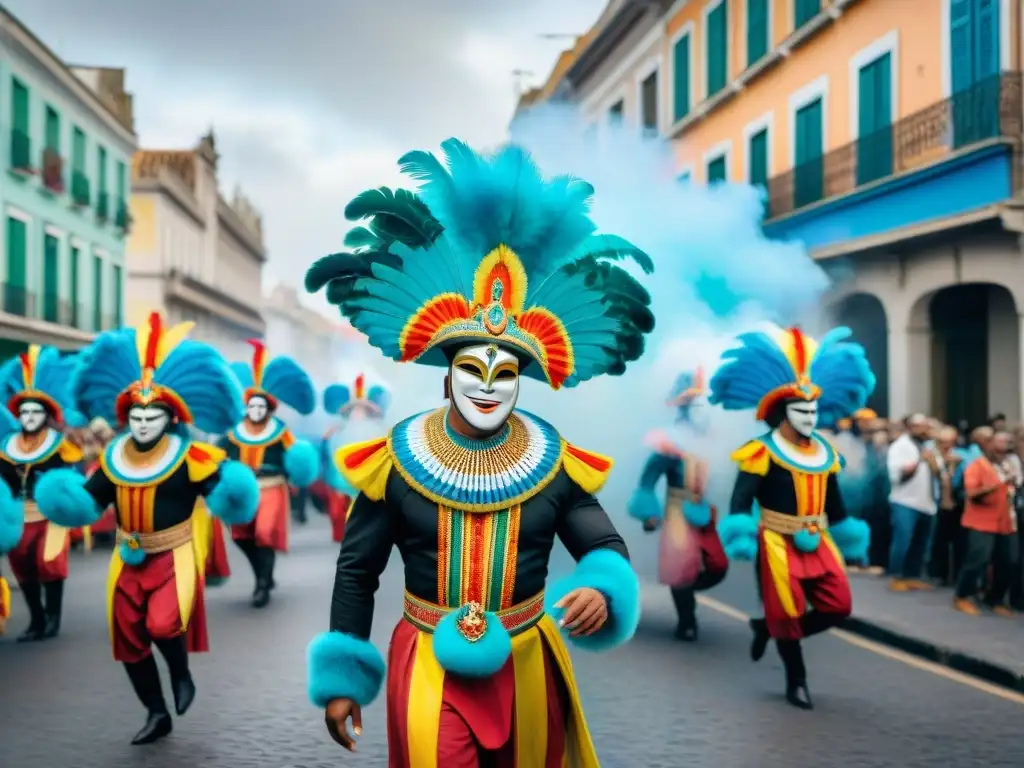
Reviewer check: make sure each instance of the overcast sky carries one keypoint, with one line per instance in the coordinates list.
(312, 101)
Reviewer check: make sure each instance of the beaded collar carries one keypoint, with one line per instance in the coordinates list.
(476, 475)
(46, 449)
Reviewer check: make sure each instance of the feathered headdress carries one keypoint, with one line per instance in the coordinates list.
(689, 385)
(341, 400)
(279, 380)
(42, 375)
(489, 251)
(157, 365)
(777, 365)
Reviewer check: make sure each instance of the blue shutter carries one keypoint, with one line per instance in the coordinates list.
(960, 45)
(758, 158)
(716, 170)
(808, 177)
(681, 78)
(986, 39)
(804, 11)
(717, 50)
(757, 30)
(874, 120)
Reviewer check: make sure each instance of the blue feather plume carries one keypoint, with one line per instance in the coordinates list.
(284, 380)
(379, 397)
(336, 397)
(53, 376)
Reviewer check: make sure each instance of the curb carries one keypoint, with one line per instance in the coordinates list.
(996, 674)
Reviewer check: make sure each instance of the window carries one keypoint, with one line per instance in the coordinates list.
(716, 170)
(804, 11)
(974, 58)
(51, 278)
(102, 199)
(681, 78)
(75, 258)
(757, 154)
(121, 214)
(649, 105)
(808, 184)
(757, 30)
(79, 181)
(874, 120)
(15, 295)
(615, 113)
(97, 293)
(717, 36)
(52, 129)
(118, 298)
(21, 146)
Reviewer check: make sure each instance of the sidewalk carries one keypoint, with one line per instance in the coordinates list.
(924, 624)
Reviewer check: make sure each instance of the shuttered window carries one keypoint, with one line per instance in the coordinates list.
(757, 30)
(874, 120)
(808, 182)
(804, 11)
(974, 63)
(716, 170)
(615, 113)
(51, 278)
(97, 293)
(717, 48)
(17, 244)
(52, 129)
(758, 158)
(681, 78)
(649, 105)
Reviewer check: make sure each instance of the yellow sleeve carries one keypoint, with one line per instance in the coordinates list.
(69, 452)
(203, 460)
(366, 466)
(753, 458)
(588, 470)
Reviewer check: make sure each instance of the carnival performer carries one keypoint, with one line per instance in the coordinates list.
(691, 558)
(12, 523)
(36, 389)
(157, 382)
(350, 405)
(791, 473)
(264, 443)
(492, 273)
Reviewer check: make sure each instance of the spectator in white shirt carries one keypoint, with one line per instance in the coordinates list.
(913, 469)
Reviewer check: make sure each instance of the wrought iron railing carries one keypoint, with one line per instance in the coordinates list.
(989, 110)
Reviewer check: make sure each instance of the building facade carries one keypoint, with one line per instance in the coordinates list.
(887, 138)
(192, 254)
(66, 142)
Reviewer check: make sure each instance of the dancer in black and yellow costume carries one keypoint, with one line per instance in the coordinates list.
(791, 474)
(492, 273)
(156, 382)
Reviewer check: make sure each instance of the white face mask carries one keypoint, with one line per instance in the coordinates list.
(147, 423)
(257, 409)
(803, 416)
(484, 383)
(32, 417)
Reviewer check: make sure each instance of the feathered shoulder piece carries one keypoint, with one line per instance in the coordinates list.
(42, 375)
(776, 364)
(343, 400)
(489, 250)
(157, 365)
(279, 380)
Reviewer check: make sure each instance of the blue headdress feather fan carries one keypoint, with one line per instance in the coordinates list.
(281, 378)
(43, 375)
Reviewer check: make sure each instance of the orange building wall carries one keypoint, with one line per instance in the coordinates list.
(919, 64)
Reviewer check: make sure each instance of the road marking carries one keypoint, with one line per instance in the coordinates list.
(887, 652)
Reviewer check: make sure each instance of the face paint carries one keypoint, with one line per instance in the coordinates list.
(32, 417)
(257, 409)
(803, 416)
(148, 423)
(484, 382)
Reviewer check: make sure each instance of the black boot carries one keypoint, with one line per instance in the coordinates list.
(760, 642)
(686, 609)
(175, 653)
(54, 601)
(33, 592)
(792, 656)
(146, 681)
(269, 561)
(264, 577)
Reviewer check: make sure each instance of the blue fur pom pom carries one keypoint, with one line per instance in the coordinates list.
(697, 514)
(853, 538)
(457, 655)
(806, 541)
(236, 497)
(130, 555)
(62, 499)
(12, 519)
(738, 533)
(302, 464)
(644, 504)
(613, 576)
(341, 666)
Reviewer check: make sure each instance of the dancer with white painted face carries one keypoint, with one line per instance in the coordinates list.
(36, 388)
(791, 473)
(156, 383)
(263, 442)
(492, 272)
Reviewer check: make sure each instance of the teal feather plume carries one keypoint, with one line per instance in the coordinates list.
(395, 215)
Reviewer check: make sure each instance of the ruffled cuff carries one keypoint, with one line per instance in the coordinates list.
(613, 576)
(341, 666)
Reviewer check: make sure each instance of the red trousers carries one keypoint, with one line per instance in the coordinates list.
(146, 608)
(337, 511)
(712, 553)
(27, 561)
(476, 726)
(270, 526)
(217, 566)
(791, 580)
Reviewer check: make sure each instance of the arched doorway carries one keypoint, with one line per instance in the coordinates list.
(864, 314)
(975, 353)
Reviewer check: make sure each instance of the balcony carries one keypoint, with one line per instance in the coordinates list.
(79, 189)
(122, 219)
(21, 153)
(951, 158)
(102, 207)
(53, 171)
(17, 300)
